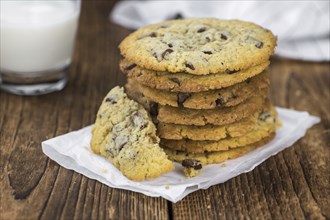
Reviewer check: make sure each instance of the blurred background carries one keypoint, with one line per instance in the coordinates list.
(302, 27)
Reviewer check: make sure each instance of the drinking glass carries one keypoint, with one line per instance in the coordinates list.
(36, 44)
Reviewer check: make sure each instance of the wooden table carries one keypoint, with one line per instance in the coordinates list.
(292, 184)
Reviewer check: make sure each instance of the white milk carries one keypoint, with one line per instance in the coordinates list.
(37, 35)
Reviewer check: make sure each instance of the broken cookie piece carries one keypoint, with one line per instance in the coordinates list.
(125, 135)
(191, 167)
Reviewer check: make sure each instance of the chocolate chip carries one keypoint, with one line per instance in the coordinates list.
(207, 39)
(181, 98)
(131, 66)
(153, 108)
(111, 152)
(120, 141)
(166, 52)
(231, 71)
(153, 34)
(208, 52)
(190, 66)
(157, 57)
(259, 44)
(192, 163)
(248, 80)
(177, 16)
(111, 100)
(175, 80)
(220, 101)
(223, 36)
(264, 115)
(170, 45)
(137, 119)
(201, 30)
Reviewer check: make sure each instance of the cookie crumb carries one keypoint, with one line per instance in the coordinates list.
(209, 206)
(167, 187)
(223, 165)
(191, 167)
(103, 170)
(278, 124)
(86, 148)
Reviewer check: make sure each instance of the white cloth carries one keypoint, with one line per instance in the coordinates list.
(72, 151)
(302, 27)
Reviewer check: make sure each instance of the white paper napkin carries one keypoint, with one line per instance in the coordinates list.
(72, 151)
(302, 27)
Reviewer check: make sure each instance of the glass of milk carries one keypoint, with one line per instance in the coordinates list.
(36, 44)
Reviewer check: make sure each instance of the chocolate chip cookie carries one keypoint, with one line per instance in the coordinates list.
(226, 97)
(217, 116)
(199, 46)
(183, 82)
(218, 156)
(191, 146)
(125, 135)
(259, 121)
(198, 117)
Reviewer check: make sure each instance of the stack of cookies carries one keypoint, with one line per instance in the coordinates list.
(205, 83)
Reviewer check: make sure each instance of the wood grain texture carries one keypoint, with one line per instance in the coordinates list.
(291, 185)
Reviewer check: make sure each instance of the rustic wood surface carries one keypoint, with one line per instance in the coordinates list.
(291, 185)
